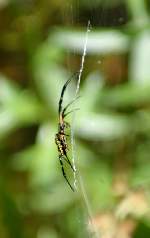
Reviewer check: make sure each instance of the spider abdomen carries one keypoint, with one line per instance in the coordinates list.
(60, 141)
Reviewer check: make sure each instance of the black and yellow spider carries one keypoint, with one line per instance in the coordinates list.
(61, 136)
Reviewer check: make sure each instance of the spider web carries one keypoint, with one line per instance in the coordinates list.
(79, 180)
(74, 156)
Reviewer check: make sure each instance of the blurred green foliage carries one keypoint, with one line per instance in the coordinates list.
(41, 45)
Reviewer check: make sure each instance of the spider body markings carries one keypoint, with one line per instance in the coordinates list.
(61, 136)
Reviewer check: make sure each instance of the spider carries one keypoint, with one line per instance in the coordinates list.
(61, 136)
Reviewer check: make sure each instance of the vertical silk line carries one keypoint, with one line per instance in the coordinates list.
(74, 157)
(87, 204)
(76, 94)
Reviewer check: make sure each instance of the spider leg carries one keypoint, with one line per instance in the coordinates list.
(63, 172)
(63, 112)
(66, 124)
(76, 109)
(63, 90)
(64, 134)
(68, 161)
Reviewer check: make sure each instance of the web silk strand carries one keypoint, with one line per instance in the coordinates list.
(76, 94)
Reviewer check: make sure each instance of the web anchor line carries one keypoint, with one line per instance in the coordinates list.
(74, 157)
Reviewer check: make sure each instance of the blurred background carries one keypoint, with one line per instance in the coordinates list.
(41, 45)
